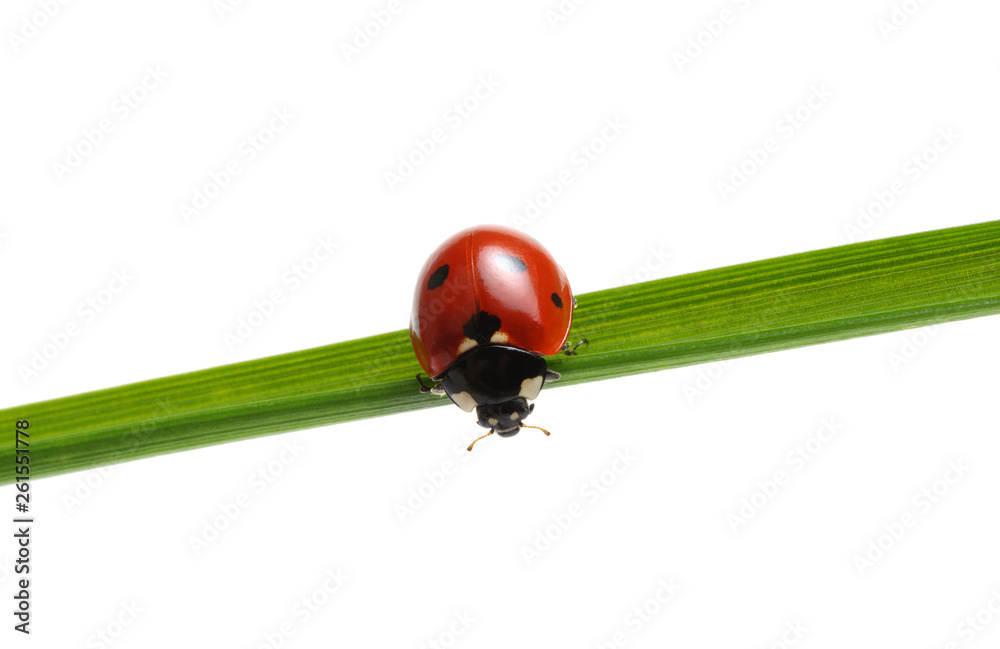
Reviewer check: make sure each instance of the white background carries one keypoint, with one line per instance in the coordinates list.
(904, 405)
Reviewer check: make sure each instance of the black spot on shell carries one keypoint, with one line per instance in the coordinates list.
(481, 327)
(437, 277)
(512, 264)
(557, 300)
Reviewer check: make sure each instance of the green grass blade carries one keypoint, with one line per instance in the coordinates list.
(782, 303)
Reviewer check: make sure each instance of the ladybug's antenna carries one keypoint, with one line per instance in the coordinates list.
(491, 432)
(538, 427)
(477, 439)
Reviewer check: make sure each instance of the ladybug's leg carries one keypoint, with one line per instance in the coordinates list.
(551, 375)
(572, 352)
(434, 389)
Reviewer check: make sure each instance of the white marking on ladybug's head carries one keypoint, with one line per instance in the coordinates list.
(499, 338)
(531, 387)
(493, 421)
(466, 345)
(514, 416)
(464, 401)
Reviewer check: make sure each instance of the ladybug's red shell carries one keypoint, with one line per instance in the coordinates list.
(489, 284)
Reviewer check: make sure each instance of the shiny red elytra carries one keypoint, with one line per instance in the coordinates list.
(489, 303)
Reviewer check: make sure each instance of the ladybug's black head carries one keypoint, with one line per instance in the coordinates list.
(504, 419)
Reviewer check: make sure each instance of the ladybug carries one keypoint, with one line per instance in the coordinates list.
(489, 303)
